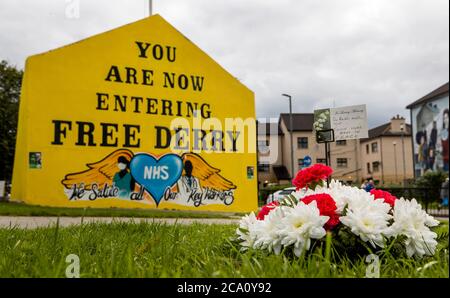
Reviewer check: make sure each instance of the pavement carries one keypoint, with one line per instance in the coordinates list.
(32, 222)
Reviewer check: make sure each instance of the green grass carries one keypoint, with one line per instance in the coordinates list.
(158, 250)
(18, 209)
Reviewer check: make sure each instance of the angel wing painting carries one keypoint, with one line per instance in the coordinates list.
(122, 170)
(114, 168)
(208, 176)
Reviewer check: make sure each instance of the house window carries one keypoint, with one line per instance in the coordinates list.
(342, 162)
(263, 167)
(374, 147)
(376, 166)
(341, 143)
(321, 160)
(368, 168)
(367, 149)
(302, 143)
(263, 146)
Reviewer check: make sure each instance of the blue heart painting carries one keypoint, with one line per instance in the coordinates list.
(156, 175)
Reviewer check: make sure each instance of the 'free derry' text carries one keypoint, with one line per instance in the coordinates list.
(225, 287)
(206, 133)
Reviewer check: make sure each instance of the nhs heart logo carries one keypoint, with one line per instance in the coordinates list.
(156, 175)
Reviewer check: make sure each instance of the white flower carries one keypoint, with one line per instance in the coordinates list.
(413, 222)
(343, 195)
(246, 225)
(300, 225)
(266, 231)
(367, 218)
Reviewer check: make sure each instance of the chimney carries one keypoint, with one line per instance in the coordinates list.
(397, 123)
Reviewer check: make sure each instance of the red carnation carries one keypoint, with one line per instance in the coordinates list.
(312, 176)
(327, 207)
(386, 196)
(266, 210)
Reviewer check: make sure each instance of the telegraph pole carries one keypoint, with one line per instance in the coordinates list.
(402, 128)
(395, 160)
(291, 124)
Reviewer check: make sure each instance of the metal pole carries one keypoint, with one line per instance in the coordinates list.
(403, 155)
(412, 145)
(357, 145)
(150, 7)
(291, 124)
(327, 159)
(395, 160)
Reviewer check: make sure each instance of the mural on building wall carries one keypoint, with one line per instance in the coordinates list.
(152, 124)
(431, 122)
(187, 180)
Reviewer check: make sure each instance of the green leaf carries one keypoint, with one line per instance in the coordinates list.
(289, 201)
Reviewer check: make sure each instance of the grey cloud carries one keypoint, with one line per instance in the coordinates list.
(383, 53)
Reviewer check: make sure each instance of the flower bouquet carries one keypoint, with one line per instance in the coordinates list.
(357, 222)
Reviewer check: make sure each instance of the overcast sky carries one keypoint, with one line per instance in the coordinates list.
(325, 53)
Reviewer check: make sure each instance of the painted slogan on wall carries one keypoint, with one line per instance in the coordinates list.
(144, 177)
(135, 117)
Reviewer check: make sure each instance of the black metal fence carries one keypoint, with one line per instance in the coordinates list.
(429, 198)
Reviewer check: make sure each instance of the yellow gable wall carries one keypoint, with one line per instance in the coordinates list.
(63, 85)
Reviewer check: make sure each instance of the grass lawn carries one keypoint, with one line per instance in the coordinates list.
(18, 209)
(159, 250)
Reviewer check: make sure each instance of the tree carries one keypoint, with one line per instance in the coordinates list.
(10, 83)
(432, 182)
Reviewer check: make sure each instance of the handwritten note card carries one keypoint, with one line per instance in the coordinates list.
(349, 122)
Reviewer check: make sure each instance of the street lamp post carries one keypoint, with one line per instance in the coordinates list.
(395, 159)
(150, 7)
(402, 128)
(290, 130)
